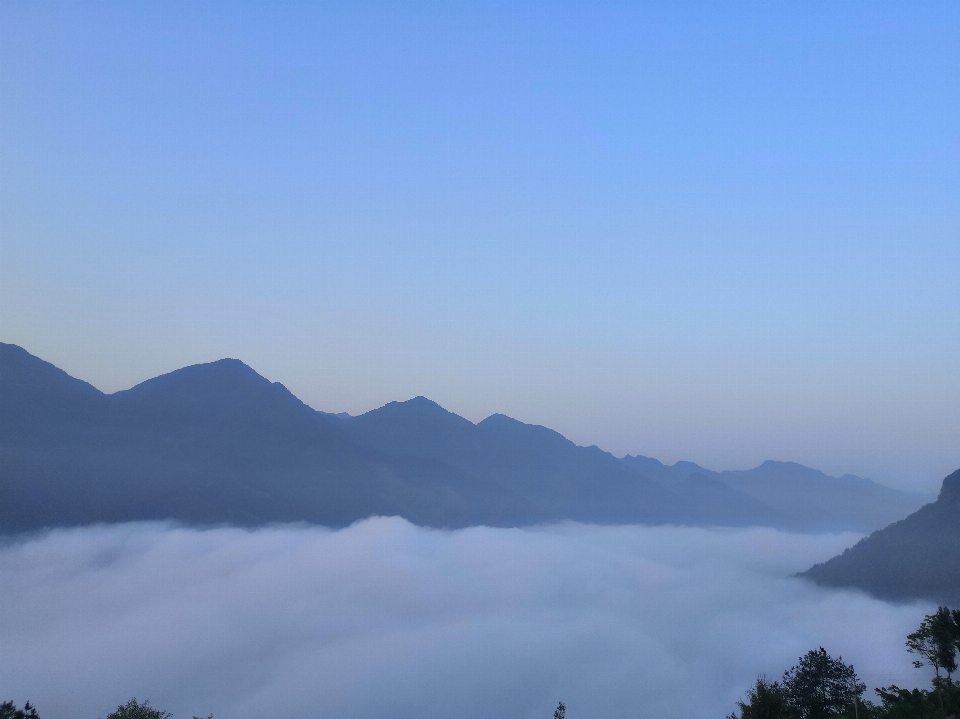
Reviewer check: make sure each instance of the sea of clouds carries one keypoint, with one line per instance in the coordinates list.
(385, 619)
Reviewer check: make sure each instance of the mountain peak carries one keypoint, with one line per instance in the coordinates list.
(421, 402)
(419, 408)
(421, 405)
(202, 390)
(950, 490)
(505, 425)
(688, 467)
(499, 418)
(778, 463)
(218, 375)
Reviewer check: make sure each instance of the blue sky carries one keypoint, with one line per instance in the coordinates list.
(723, 232)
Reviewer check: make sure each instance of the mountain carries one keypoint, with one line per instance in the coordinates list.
(915, 558)
(218, 443)
(710, 500)
(212, 443)
(567, 481)
(794, 496)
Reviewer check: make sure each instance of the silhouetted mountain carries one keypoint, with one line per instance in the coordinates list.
(211, 443)
(564, 480)
(218, 443)
(793, 496)
(915, 558)
(709, 500)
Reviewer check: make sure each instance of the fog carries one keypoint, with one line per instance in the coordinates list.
(385, 619)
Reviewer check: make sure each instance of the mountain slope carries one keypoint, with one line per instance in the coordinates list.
(915, 558)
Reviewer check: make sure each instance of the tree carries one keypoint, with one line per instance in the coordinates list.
(937, 640)
(560, 711)
(135, 710)
(821, 687)
(955, 614)
(897, 703)
(765, 701)
(9, 710)
(940, 701)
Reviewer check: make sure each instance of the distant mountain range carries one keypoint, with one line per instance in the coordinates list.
(217, 443)
(915, 558)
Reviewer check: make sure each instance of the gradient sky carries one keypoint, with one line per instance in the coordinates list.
(719, 232)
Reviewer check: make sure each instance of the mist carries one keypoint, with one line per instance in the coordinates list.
(386, 619)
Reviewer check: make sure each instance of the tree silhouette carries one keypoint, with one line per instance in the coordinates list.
(561, 711)
(765, 701)
(936, 640)
(821, 687)
(135, 710)
(9, 710)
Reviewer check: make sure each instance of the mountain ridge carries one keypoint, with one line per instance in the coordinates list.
(218, 442)
(802, 497)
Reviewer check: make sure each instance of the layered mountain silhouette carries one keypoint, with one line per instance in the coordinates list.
(217, 443)
(800, 497)
(915, 558)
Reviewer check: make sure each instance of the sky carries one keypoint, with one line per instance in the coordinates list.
(720, 232)
(385, 620)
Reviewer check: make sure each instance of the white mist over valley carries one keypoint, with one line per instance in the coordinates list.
(388, 620)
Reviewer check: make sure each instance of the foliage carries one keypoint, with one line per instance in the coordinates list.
(821, 687)
(818, 687)
(561, 711)
(897, 703)
(9, 710)
(131, 710)
(765, 701)
(937, 641)
(135, 710)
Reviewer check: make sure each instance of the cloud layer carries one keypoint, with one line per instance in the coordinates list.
(384, 619)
